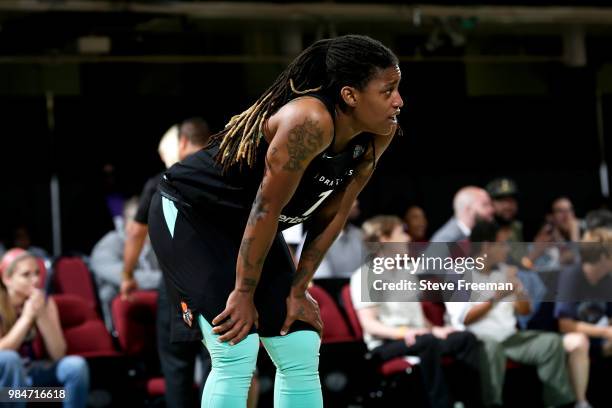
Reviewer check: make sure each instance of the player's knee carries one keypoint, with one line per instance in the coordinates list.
(576, 343)
(302, 358)
(240, 358)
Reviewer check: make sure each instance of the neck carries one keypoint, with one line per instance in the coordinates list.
(466, 220)
(191, 149)
(345, 129)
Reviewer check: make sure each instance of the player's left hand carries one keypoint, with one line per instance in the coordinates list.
(302, 307)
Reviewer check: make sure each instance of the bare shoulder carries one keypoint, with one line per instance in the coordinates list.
(302, 116)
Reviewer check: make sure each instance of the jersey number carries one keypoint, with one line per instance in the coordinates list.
(323, 196)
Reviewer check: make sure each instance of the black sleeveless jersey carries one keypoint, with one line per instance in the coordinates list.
(198, 181)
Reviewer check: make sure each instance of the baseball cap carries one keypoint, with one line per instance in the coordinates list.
(502, 187)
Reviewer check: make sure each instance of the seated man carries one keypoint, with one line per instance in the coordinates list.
(585, 292)
(395, 329)
(491, 317)
(107, 263)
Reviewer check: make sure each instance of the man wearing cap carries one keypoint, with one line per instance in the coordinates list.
(503, 192)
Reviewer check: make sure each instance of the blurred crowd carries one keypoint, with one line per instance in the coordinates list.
(563, 339)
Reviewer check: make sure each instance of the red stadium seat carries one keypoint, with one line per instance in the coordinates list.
(83, 330)
(335, 328)
(134, 321)
(156, 387)
(71, 276)
(434, 312)
(342, 362)
(391, 367)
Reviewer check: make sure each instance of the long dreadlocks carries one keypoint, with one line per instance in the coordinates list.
(324, 67)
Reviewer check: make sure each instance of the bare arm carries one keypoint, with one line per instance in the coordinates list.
(135, 236)
(327, 223)
(303, 133)
(48, 324)
(292, 149)
(33, 308)
(522, 307)
(331, 218)
(370, 323)
(522, 304)
(477, 312)
(567, 325)
(14, 338)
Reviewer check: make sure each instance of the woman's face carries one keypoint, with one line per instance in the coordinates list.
(24, 278)
(397, 235)
(416, 222)
(563, 212)
(379, 103)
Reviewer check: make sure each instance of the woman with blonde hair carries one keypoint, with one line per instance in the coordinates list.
(395, 327)
(24, 313)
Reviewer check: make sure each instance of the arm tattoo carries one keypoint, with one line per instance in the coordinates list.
(312, 254)
(304, 140)
(249, 285)
(300, 274)
(301, 312)
(259, 209)
(245, 249)
(260, 206)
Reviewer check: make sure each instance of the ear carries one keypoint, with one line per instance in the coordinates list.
(5, 280)
(182, 147)
(182, 142)
(349, 95)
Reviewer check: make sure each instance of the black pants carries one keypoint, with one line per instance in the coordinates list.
(463, 346)
(198, 261)
(177, 358)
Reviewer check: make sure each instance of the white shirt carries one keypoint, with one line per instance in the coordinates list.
(393, 314)
(500, 321)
